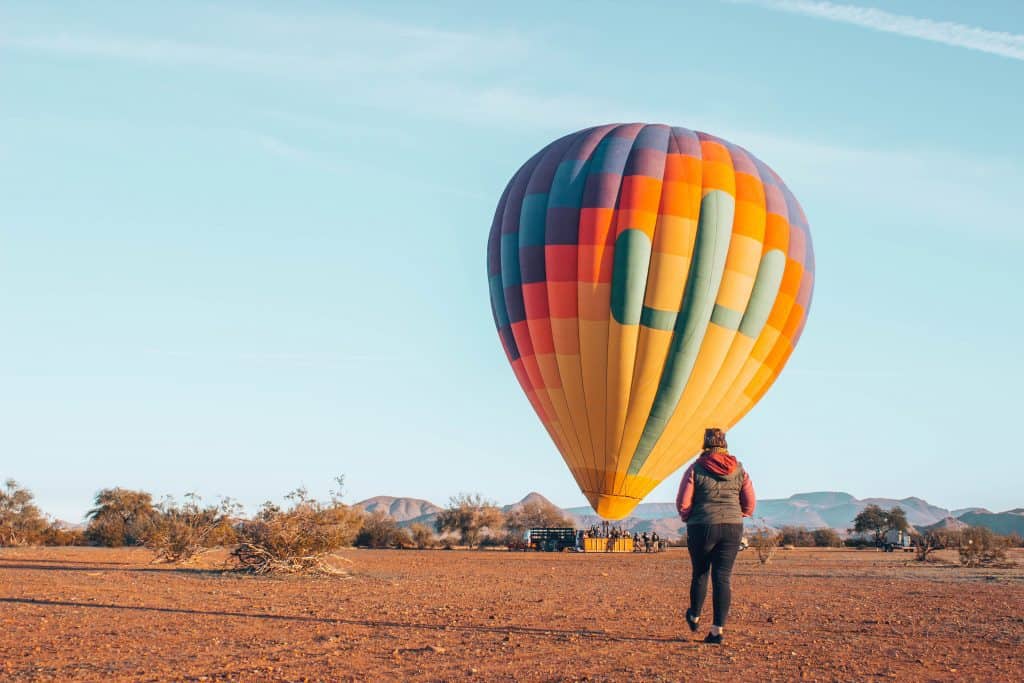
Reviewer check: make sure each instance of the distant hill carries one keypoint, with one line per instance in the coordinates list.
(814, 510)
(1009, 522)
(640, 512)
(409, 511)
(946, 524)
(833, 509)
(401, 509)
(69, 526)
(825, 499)
(531, 497)
(963, 511)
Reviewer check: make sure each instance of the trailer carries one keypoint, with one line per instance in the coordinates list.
(896, 539)
(549, 539)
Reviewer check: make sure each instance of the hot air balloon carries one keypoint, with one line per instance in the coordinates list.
(646, 281)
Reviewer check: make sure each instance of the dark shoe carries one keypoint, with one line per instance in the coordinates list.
(716, 640)
(692, 621)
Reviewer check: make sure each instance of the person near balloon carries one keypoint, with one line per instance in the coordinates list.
(714, 496)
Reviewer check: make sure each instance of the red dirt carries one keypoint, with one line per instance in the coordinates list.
(108, 615)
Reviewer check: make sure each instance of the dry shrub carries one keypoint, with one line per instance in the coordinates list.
(471, 516)
(21, 522)
(60, 534)
(298, 539)
(120, 517)
(937, 539)
(179, 533)
(826, 538)
(765, 542)
(422, 536)
(796, 536)
(980, 546)
(799, 537)
(380, 530)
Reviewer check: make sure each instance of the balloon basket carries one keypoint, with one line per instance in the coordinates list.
(607, 545)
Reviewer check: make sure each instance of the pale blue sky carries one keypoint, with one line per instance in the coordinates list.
(242, 244)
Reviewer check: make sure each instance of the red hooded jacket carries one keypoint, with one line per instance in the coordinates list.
(719, 462)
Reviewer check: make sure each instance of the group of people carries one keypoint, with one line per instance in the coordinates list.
(644, 543)
(605, 530)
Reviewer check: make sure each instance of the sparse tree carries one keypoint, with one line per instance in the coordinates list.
(120, 517)
(873, 520)
(897, 519)
(179, 533)
(535, 514)
(470, 515)
(21, 522)
(878, 522)
(927, 543)
(422, 536)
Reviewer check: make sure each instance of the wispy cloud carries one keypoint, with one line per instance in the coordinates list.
(307, 48)
(1009, 45)
(278, 147)
(474, 78)
(275, 146)
(311, 359)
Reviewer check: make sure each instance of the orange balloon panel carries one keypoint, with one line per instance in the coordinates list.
(646, 281)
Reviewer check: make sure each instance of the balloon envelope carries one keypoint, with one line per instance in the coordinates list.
(646, 281)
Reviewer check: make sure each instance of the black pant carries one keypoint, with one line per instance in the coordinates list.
(713, 549)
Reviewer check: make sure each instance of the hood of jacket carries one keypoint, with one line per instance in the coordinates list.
(718, 462)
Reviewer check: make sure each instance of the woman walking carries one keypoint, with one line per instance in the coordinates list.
(714, 497)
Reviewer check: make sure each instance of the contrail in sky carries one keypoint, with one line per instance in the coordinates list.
(946, 32)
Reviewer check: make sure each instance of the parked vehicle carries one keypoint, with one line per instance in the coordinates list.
(896, 539)
(551, 539)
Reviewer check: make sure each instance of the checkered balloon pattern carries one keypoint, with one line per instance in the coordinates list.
(647, 282)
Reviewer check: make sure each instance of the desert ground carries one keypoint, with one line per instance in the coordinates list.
(110, 615)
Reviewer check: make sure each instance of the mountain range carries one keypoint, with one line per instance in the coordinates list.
(815, 510)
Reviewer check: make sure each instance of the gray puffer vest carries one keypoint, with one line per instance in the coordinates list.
(716, 497)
